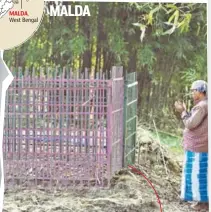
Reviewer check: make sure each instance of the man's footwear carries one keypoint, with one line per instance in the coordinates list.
(200, 206)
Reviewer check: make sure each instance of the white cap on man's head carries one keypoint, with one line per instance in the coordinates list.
(199, 85)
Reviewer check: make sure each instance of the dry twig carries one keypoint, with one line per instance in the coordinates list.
(160, 148)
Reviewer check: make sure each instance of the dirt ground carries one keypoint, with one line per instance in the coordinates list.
(129, 192)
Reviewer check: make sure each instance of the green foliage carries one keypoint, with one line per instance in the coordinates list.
(146, 56)
(77, 45)
(174, 143)
(166, 43)
(116, 42)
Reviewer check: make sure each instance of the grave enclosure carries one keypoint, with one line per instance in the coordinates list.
(64, 130)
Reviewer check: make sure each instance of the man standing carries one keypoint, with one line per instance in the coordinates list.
(195, 142)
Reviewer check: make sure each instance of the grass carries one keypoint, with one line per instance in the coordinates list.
(172, 142)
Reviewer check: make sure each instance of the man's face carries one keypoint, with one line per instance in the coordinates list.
(195, 94)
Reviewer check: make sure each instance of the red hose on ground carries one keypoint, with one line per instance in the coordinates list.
(140, 173)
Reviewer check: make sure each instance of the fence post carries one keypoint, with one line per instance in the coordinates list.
(115, 119)
(124, 116)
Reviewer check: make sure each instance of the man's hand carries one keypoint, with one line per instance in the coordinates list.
(179, 106)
